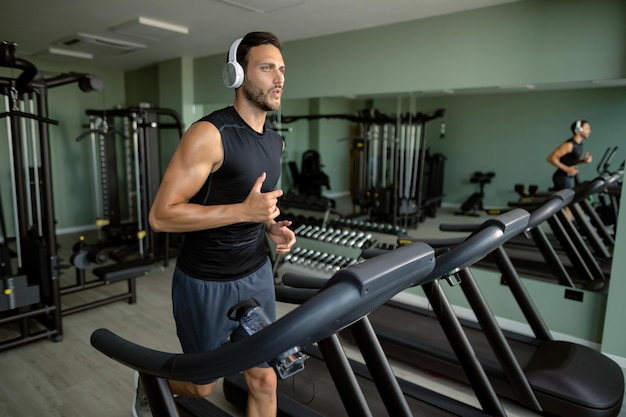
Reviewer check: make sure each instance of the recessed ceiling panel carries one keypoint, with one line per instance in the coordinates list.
(97, 45)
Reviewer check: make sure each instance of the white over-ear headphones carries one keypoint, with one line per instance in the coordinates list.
(578, 128)
(232, 74)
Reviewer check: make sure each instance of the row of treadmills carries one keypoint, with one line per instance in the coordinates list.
(576, 252)
(354, 307)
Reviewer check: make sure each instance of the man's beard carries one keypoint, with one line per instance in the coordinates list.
(256, 96)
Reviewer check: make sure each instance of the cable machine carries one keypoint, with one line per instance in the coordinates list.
(141, 128)
(129, 242)
(30, 297)
(392, 176)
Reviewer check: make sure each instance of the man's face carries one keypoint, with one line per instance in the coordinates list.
(265, 77)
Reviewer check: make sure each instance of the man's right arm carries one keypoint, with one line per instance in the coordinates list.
(555, 158)
(198, 154)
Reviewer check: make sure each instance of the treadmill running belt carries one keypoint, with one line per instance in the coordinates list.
(313, 393)
(198, 407)
(419, 329)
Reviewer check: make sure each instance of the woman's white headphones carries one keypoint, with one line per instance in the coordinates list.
(232, 73)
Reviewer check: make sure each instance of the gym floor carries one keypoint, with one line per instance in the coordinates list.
(72, 379)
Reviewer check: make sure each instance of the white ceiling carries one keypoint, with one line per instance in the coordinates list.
(37, 25)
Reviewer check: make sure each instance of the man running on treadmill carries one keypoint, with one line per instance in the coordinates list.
(219, 189)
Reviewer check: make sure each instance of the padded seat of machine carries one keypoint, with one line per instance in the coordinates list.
(124, 270)
(311, 178)
(558, 368)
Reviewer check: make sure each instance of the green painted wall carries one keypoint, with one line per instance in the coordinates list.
(532, 41)
(141, 86)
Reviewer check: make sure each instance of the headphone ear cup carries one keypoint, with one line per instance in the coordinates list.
(232, 74)
(578, 127)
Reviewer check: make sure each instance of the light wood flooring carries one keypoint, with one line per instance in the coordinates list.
(71, 379)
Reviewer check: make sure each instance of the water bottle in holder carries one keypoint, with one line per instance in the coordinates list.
(252, 318)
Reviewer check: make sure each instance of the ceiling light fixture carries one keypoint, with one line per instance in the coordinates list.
(67, 53)
(611, 83)
(151, 29)
(263, 6)
(521, 87)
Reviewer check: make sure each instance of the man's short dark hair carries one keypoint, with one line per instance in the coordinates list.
(253, 39)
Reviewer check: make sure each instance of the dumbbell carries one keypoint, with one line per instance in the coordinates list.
(346, 237)
(305, 230)
(304, 257)
(313, 230)
(356, 238)
(310, 259)
(318, 233)
(319, 260)
(301, 255)
(358, 244)
(291, 254)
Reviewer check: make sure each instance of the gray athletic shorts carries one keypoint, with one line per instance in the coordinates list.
(200, 307)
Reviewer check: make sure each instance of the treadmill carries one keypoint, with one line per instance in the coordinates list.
(490, 235)
(538, 257)
(579, 254)
(343, 300)
(540, 373)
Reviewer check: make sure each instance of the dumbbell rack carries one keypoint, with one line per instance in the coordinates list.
(321, 250)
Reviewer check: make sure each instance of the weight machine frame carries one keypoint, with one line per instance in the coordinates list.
(134, 246)
(25, 99)
(387, 164)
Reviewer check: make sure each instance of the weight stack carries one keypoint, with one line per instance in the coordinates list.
(15, 292)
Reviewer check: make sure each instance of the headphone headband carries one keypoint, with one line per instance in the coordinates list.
(232, 52)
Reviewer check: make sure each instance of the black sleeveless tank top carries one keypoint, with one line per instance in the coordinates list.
(573, 157)
(234, 251)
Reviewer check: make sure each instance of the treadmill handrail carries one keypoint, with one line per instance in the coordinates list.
(550, 207)
(615, 178)
(597, 185)
(465, 251)
(489, 235)
(584, 190)
(541, 212)
(304, 281)
(349, 295)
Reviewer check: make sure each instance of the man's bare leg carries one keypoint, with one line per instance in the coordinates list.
(262, 384)
(262, 398)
